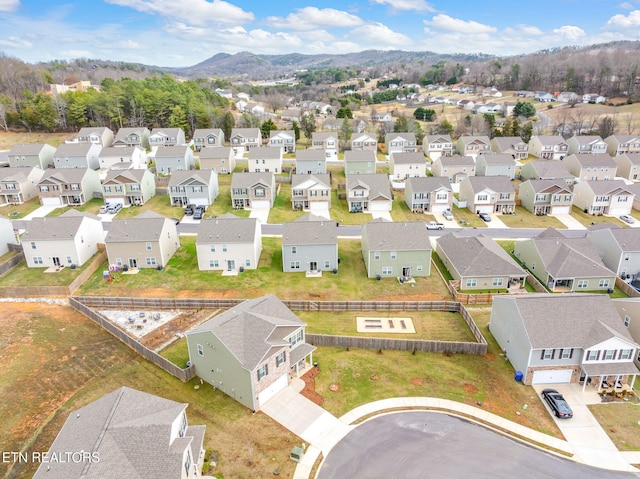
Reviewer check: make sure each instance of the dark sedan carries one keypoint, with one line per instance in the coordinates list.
(558, 405)
(485, 217)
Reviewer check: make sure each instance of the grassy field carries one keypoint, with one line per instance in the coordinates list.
(589, 220)
(159, 203)
(91, 206)
(621, 421)
(525, 219)
(21, 275)
(10, 138)
(15, 212)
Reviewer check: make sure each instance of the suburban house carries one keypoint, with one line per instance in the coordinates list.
(435, 146)
(30, 155)
(283, 139)
(148, 240)
(591, 167)
(431, 194)
(208, 138)
(619, 144)
(364, 141)
(547, 170)
(253, 190)
(69, 186)
(67, 240)
(267, 158)
(174, 158)
(327, 141)
(77, 155)
(310, 244)
(198, 187)
(495, 164)
(619, 249)
(473, 145)
(243, 139)
(250, 375)
(564, 264)
(407, 165)
(219, 158)
(606, 197)
(311, 192)
(391, 249)
(629, 311)
(7, 234)
(400, 143)
(593, 98)
(128, 187)
(359, 162)
(456, 167)
(228, 243)
(128, 433)
(381, 117)
(167, 137)
(510, 145)
(369, 193)
(546, 197)
(544, 97)
(568, 96)
(628, 166)
(488, 194)
(311, 162)
(479, 263)
(548, 147)
(136, 136)
(543, 338)
(582, 144)
(132, 156)
(102, 136)
(291, 114)
(18, 185)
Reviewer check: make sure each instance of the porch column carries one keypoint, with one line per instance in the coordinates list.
(633, 380)
(584, 384)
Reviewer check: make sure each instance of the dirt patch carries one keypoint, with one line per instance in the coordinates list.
(309, 390)
(469, 389)
(180, 324)
(417, 381)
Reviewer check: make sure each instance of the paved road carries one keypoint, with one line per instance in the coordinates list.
(428, 444)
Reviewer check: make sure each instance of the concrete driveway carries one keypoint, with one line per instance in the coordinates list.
(261, 213)
(495, 222)
(41, 212)
(569, 221)
(590, 443)
(381, 214)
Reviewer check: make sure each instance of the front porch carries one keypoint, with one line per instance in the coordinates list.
(610, 379)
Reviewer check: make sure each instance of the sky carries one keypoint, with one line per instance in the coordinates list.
(175, 33)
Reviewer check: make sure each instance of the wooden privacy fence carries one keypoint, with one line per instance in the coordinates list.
(148, 354)
(387, 344)
(627, 288)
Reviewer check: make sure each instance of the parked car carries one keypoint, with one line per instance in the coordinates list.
(198, 212)
(628, 219)
(558, 405)
(188, 210)
(104, 209)
(432, 225)
(447, 215)
(484, 217)
(114, 208)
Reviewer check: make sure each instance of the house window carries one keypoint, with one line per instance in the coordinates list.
(387, 271)
(583, 283)
(280, 358)
(603, 283)
(148, 245)
(119, 261)
(224, 248)
(247, 262)
(627, 321)
(259, 192)
(376, 255)
(69, 261)
(441, 196)
(187, 464)
(472, 283)
(497, 281)
(262, 371)
(565, 354)
(294, 249)
(37, 260)
(327, 264)
(483, 197)
(393, 255)
(213, 263)
(295, 338)
(547, 354)
(625, 354)
(212, 248)
(200, 349)
(419, 267)
(150, 261)
(592, 355)
(33, 245)
(533, 265)
(295, 265)
(609, 354)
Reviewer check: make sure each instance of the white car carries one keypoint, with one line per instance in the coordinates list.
(447, 215)
(628, 219)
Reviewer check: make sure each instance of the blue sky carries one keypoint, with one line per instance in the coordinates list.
(185, 32)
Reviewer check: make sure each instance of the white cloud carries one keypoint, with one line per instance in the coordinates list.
(198, 12)
(309, 18)
(417, 5)
(625, 6)
(631, 20)
(570, 32)
(527, 30)
(381, 37)
(9, 5)
(15, 42)
(449, 24)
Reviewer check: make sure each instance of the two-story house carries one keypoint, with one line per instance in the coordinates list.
(207, 138)
(544, 197)
(251, 376)
(359, 162)
(495, 164)
(311, 193)
(18, 185)
(619, 144)
(488, 194)
(364, 141)
(435, 146)
(407, 165)
(243, 139)
(548, 147)
(253, 190)
(586, 144)
(510, 145)
(605, 197)
(369, 193)
(134, 186)
(456, 168)
(310, 245)
(30, 155)
(173, 158)
(219, 158)
(129, 156)
(267, 158)
(77, 155)
(473, 145)
(198, 187)
(618, 247)
(167, 137)
(628, 166)
(228, 243)
(283, 139)
(132, 136)
(311, 162)
(428, 194)
(69, 186)
(101, 135)
(547, 170)
(592, 167)
(400, 143)
(327, 141)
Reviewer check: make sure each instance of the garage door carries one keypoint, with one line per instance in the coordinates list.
(319, 206)
(260, 204)
(379, 206)
(484, 208)
(200, 202)
(559, 376)
(439, 208)
(272, 390)
(51, 201)
(561, 210)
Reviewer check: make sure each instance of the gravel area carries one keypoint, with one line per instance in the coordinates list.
(139, 323)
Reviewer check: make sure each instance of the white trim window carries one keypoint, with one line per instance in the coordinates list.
(583, 283)
(281, 358)
(592, 355)
(387, 271)
(200, 350)
(263, 371)
(471, 283)
(497, 281)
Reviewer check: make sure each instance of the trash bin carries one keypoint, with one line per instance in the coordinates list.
(518, 376)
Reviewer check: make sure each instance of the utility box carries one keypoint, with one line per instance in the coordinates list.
(296, 454)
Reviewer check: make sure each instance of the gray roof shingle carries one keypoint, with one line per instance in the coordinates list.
(309, 230)
(146, 226)
(383, 235)
(228, 229)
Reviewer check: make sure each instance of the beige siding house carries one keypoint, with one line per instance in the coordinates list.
(219, 158)
(253, 190)
(488, 194)
(628, 166)
(407, 165)
(30, 155)
(548, 147)
(428, 194)
(68, 186)
(606, 197)
(592, 167)
(228, 243)
(546, 197)
(18, 185)
(128, 187)
(435, 146)
(311, 193)
(456, 167)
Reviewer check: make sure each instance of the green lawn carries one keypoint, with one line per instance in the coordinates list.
(15, 212)
(21, 275)
(159, 203)
(465, 217)
(588, 220)
(525, 219)
(91, 206)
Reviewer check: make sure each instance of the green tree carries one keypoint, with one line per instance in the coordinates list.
(296, 129)
(267, 127)
(345, 130)
(344, 112)
(228, 124)
(525, 109)
(424, 114)
(178, 118)
(526, 132)
(444, 128)
(401, 125)
(308, 125)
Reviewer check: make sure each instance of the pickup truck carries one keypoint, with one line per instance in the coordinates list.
(432, 225)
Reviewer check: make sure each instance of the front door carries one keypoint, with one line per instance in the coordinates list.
(231, 265)
(313, 265)
(133, 263)
(406, 271)
(56, 261)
